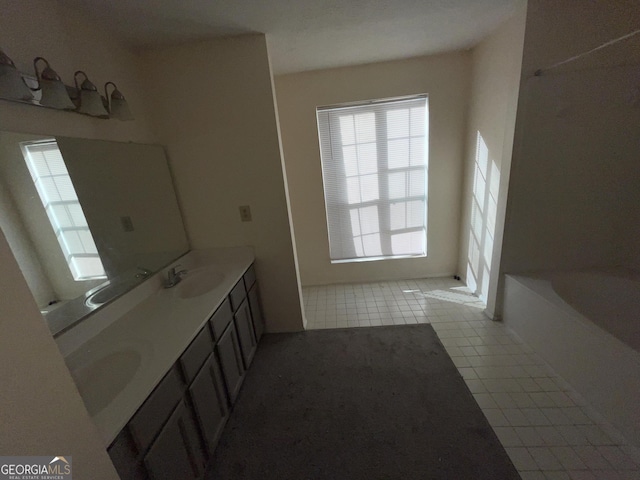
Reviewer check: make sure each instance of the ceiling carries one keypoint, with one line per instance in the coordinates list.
(308, 34)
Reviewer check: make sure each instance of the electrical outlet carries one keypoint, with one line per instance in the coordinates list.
(245, 213)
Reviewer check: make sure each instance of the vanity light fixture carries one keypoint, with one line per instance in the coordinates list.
(54, 92)
(50, 91)
(88, 100)
(12, 86)
(116, 103)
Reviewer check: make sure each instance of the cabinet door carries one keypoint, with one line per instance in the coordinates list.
(220, 319)
(247, 337)
(230, 357)
(148, 420)
(125, 458)
(209, 401)
(237, 295)
(249, 278)
(176, 452)
(196, 354)
(256, 312)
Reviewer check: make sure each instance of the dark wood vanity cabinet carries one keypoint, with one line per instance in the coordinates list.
(246, 333)
(177, 428)
(161, 441)
(125, 457)
(253, 297)
(177, 451)
(247, 315)
(256, 312)
(228, 351)
(210, 404)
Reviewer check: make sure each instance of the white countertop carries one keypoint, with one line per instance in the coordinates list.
(155, 323)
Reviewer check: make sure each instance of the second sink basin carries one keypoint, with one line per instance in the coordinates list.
(107, 293)
(199, 282)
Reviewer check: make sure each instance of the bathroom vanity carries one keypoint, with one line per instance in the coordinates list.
(97, 231)
(161, 378)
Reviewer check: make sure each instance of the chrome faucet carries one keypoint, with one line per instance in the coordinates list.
(173, 277)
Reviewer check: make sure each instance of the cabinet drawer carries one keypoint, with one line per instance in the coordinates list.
(196, 354)
(220, 319)
(237, 295)
(148, 421)
(249, 278)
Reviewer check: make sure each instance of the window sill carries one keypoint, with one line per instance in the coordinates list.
(376, 259)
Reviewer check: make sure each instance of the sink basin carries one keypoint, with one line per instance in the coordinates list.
(199, 282)
(107, 293)
(102, 380)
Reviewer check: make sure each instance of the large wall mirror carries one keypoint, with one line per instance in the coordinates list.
(87, 220)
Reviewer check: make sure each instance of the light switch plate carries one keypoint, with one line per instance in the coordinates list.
(245, 213)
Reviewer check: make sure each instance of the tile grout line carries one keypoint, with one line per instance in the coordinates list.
(548, 429)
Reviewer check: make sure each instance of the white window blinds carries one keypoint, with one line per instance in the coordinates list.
(51, 178)
(374, 167)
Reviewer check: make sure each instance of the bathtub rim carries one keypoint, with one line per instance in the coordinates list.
(591, 360)
(541, 283)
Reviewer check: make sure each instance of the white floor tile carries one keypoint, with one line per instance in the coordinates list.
(544, 458)
(508, 437)
(522, 459)
(568, 458)
(548, 429)
(551, 436)
(530, 436)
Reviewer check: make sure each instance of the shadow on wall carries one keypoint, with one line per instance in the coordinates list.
(482, 223)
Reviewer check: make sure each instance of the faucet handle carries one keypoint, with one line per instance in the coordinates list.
(172, 271)
(173, 277)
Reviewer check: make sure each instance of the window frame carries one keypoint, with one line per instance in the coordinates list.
(64, 242)
(339, 206)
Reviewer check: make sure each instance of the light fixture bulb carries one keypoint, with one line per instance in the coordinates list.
(54, 92)
(90, 101)
(12, 86)
(117, 104)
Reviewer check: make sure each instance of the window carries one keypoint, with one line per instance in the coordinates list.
(52, 181)
(374, 167)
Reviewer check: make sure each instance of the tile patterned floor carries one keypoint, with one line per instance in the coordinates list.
(548, 430)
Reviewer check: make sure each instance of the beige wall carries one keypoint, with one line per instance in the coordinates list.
(497, 61)
(445, 78)
(41, 411)
(215, 112)
(573, 193)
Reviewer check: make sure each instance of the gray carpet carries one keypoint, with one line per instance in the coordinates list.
(361, 403)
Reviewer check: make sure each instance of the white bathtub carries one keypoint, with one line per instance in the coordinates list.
(610, 299)
(586, 326)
